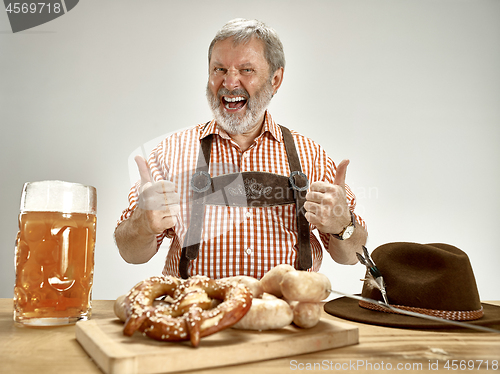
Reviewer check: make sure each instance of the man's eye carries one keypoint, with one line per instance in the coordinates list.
(219, 70)
(247, 71)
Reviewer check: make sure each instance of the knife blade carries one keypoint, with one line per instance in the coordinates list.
(415, 314)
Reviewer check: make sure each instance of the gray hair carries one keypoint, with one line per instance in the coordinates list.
(242, 30)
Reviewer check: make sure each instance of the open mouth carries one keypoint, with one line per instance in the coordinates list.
(234, 103)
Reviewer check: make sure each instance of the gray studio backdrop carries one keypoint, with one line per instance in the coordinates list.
(409, 90)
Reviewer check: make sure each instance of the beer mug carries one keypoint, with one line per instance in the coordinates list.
(55, 253)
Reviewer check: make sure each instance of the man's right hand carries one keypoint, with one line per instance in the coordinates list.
(158, 201)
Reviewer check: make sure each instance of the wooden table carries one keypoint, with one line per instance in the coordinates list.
(55, 350)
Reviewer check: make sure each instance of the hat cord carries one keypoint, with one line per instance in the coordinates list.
(454, 315)
(414, 314)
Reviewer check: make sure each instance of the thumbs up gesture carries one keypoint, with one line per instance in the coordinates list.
(158, 201)
(326, 203)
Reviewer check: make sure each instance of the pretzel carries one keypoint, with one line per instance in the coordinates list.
(193, 313)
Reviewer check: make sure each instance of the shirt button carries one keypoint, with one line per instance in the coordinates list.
(248, 214)
(248, 251)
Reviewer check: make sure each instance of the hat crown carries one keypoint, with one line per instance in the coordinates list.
(431, 276)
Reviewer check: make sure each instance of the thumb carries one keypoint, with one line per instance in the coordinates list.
(144, 171)
(340, 173)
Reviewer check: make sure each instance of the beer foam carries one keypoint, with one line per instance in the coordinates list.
(58, 196)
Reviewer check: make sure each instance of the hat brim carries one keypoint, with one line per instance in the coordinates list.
(349, 309)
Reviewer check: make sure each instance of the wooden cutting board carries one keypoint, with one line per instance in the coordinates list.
(117, 354)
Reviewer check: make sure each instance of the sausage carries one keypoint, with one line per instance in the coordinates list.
(306, 315)
(268, 314)
(272, 279)
(119, 308)
(268, 296)
(305, 286)
(253, 284)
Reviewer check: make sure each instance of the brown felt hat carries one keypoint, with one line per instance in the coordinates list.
(434, 279)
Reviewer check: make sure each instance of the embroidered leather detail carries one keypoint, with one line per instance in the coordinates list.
(251, 189)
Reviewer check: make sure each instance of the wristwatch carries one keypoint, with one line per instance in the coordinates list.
(347, 232)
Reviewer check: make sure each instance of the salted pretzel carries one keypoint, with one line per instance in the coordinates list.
(200, 307)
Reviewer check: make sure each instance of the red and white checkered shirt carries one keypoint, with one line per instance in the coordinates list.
(237, 240)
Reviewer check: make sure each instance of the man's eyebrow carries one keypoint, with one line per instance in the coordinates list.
(241, 66)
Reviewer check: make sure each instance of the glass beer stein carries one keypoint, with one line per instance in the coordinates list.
(55, 253)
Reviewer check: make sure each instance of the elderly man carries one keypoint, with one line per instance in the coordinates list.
(240, 194)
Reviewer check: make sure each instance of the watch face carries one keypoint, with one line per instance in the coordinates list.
(348, 232)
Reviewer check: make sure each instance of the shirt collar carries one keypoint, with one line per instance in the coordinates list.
(269, 126)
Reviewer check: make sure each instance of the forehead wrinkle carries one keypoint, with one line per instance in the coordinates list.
(245, 65)
(235, 44)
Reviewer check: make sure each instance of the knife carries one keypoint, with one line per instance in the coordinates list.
(415, 314)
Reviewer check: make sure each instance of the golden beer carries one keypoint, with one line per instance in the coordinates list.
(54, 267)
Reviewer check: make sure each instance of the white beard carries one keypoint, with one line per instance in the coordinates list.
(256, 107)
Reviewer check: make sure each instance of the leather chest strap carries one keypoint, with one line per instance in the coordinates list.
(299, 184)
(201, 185)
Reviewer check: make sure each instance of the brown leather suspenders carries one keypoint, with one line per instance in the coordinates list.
(299, 184)
(203, 187)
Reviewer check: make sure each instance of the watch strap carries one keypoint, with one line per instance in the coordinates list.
(339, 236)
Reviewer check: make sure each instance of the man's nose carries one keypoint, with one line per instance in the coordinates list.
(232, 80)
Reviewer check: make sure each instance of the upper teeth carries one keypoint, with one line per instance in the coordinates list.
(233, 99)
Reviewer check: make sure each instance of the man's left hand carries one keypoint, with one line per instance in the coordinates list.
(326, 203)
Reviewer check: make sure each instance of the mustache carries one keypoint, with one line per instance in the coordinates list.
(238, 92)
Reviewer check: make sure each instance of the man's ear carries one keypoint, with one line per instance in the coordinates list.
(277, 79)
